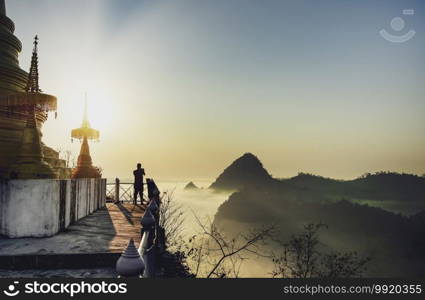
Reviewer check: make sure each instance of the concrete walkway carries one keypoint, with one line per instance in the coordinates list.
(107, 231)
(60, 273)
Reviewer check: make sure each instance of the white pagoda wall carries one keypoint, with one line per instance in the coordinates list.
(43, 207)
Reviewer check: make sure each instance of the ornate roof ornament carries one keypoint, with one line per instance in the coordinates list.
(32, 84)
(85, 131)
(84, 167)
(33, 96)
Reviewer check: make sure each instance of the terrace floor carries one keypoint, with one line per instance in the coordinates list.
(106, 230)
(102, 235)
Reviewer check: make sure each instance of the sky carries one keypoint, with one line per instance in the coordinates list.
(187, 86)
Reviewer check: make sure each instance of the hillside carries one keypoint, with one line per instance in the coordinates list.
(394, 242)
(381, 186)
(353, 210)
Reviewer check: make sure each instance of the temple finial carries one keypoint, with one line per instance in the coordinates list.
(32, 84)
(85, 116)
(35, 50)
(85, 167)
(85, 106)
(2, 8)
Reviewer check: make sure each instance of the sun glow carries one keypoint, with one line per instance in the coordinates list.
(185, 94)
(100, 111)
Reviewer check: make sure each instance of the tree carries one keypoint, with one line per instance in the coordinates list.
(69, 159)
(214, 255)
(209, 253)
(300, 258)
(171, 219)
(67, 156)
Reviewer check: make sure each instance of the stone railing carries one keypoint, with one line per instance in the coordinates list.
(143, 262)
(43, 207)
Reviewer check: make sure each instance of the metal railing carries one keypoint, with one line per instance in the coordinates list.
(121, 192)
(152, 240)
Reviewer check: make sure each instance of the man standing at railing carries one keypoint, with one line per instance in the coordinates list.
(138, 183)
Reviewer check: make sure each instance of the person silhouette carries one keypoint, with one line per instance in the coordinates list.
(138, 183)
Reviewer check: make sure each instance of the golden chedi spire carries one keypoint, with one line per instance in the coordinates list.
(30, 162)
(32, 83)
(85, 167)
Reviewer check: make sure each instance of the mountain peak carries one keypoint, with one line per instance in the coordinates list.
(191, 186)
(249, 156)
(247, 170)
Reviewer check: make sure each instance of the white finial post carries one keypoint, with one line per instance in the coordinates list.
(85, 107)
(86, 123)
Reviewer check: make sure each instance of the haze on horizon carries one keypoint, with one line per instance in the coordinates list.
(188, 86)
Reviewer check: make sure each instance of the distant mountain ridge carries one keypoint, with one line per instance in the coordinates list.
(380, 186)
(246, 171)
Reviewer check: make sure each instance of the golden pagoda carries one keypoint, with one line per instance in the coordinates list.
(85, 167)
(23, 110)
(30, 162)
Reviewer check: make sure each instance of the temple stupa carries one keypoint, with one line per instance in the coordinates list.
(23, 110)
(85, 167)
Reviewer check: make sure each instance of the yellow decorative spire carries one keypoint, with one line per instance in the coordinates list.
(84, 167)
(85, 131)
(86, 123)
